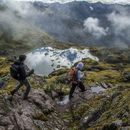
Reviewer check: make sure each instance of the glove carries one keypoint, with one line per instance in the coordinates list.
(30, 72)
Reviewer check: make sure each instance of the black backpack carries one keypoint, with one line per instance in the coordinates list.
(15, 71)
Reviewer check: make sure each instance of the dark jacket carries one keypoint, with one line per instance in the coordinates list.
(22, 71)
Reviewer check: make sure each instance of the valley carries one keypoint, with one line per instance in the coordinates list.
(92, 110)
(55, 36)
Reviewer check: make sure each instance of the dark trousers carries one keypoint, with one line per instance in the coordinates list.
(74, 85)
(20, 84)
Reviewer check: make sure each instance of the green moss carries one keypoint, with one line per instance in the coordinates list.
(109, 76)
(116, 108)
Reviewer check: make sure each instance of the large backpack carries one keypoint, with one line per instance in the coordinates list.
(72, 75)
(15, 71)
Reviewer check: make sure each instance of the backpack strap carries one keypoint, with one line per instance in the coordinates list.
(73, 74)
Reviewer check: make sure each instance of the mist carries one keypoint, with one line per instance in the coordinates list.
(31, 22)
(121, 27)
(92, 26)
(15, 24)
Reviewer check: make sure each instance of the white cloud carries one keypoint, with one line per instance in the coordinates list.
(120, 22)
(91, 25)
(92, 1)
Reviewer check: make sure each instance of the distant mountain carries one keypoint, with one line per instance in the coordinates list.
(18, 35)
(124, 2)
(66, 22)
(78, 22)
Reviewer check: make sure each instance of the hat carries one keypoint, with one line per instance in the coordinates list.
(80, 65)
(22, 57)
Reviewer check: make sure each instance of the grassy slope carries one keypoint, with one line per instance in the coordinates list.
(113, 105)
(112, 108)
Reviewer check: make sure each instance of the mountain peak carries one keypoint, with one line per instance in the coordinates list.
(91, 1)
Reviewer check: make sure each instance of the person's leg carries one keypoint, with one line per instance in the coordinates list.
(28, 88)
(81, 86)
(16, 88)
(72, 90)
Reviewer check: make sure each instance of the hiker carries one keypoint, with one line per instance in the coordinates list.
(18, 72)
(76, 77)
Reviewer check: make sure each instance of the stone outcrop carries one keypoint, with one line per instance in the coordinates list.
(36, 113)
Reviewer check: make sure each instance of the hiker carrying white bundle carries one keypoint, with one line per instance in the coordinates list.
(76, 76)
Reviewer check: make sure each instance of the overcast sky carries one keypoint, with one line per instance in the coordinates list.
(63, 1)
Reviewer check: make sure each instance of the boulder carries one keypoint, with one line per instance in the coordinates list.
(35, 113)
(126, 76)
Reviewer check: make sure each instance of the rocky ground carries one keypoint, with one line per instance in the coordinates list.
(37, 113)
(48, 108)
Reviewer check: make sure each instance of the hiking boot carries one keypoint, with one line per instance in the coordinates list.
(82, 90)
(10, 98)
(12, 93)
(25, 98)
(70, 97)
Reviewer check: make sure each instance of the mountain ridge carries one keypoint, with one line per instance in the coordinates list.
(70, 22)
(90, 1)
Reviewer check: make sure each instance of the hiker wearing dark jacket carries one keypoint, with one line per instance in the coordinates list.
(77, 81)
(21, 76)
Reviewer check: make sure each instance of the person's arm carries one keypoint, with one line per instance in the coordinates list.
(80, 75)
(30, 72)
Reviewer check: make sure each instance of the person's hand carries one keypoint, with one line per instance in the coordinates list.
(32, 71)
(82, 75)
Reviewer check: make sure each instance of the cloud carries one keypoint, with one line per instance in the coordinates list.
(91, 25)
(120, 24)
(15, 24)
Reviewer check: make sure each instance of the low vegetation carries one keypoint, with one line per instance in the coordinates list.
(108, 111)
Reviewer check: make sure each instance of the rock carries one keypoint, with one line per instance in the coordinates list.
(5, 121)
(57, 94)
(126, 76)
(11, 127)
(110, 127)
(109, 85)
(40, 124)
(3, 52)
(35, 113)
(125, 128)
(118, 123)
(91, 117)
(54, 94)
(104, 85)
(2, 128)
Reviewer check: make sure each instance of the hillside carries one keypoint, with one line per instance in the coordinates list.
(55, 37)
(106, 108)
(79, 22)
(17, 35)
(71, 22)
